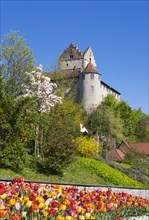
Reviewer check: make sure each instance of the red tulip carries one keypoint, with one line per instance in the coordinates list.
(15, 217)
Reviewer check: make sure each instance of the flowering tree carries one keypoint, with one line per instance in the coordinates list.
(38, 86)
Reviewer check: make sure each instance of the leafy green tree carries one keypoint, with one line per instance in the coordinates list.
(142, 129)
(16, 59)
(110, 102)
(123, 111)
(17, 131)
(67, 87)
(109, 127)
(63, 124)
(129, 118)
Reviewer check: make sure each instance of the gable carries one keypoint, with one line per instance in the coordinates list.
(72, 52)
(89, 57)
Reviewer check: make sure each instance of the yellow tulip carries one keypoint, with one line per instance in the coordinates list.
(79, 209)
(51, 194)
(29, 203)
(62, 207)
(69, 217)
(60, 217)
(39, 198)
(59, 189)
(12, 201)
(66, 202)
(45, 214)
(3, 196)
(26, 199)
(41, 205)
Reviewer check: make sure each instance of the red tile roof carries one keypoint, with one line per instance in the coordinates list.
(119, 154)
(90, 68)
(141, 147)
(116, 155)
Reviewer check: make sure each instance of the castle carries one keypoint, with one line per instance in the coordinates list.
(81, 66)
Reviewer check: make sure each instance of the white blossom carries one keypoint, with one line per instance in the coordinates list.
(39, 86)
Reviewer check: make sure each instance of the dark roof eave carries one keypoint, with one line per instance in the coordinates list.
(110, 87)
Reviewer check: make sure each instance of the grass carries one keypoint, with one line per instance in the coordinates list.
(82, 171)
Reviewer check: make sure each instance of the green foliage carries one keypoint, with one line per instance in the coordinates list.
(87, 147)
(17, 122)
(129, 118)
(120, 121)
(124, 165)
(15, 157)
(110, 102)
(142, 129)
(106, 172)
(137, 160)
(16, 59)
(67, 87)
(63, 123)
(109, 127)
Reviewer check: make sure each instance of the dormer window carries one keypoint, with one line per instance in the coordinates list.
(71, 56)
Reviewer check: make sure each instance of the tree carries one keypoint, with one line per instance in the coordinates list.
(41, 90)
(110, 102)
(129, 118)
(16, 59)
(123, 111)
(142, 128)
(109, 127)
(63, 124)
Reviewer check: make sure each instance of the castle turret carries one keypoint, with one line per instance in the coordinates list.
(89, 84)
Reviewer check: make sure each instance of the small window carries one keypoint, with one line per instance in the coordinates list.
(91, 76)
(83, 76)
(89, 59)
(99, 77)
(92, 89)
(71, 56)
(67, 64)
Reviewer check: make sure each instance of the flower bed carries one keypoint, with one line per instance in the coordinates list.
(32, 201)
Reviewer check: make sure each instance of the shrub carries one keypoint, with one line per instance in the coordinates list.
(87, 147)
(15, 157)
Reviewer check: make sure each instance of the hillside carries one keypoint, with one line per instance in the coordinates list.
(82, 171)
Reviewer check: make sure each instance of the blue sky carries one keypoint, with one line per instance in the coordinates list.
(117, 32)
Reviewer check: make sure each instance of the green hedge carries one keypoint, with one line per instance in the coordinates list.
(108, 173)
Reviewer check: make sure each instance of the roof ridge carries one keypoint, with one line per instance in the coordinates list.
(90, 68)
(117, 150)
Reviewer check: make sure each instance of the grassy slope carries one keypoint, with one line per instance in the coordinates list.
(83, 171)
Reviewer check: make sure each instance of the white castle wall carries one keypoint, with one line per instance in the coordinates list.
(90, 92)
(71, 64)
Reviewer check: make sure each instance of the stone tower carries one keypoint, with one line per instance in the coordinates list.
(89, 85)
